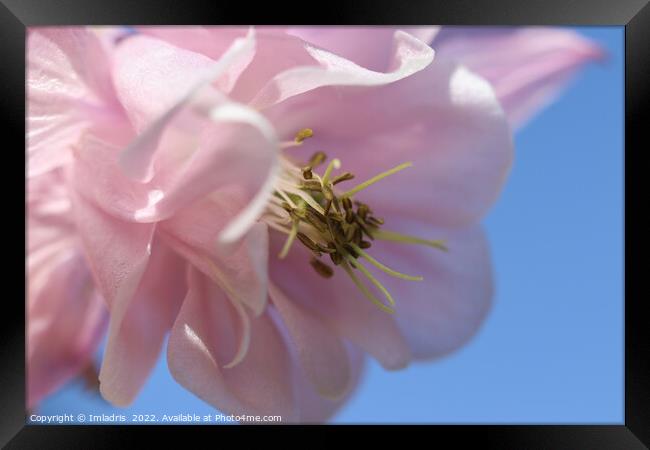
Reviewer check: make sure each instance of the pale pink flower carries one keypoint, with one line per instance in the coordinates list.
(169, 168)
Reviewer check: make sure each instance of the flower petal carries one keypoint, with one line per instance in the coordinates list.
(66, 320)
(211, 41)
(368, 47)
(151, 76)
(241, 269)
(118, 254)
(67, 90)
(320, 351)
(339, 304)
(234, 150)
(69, 60)
(117, 251)
(442, 312)
(149, 69)
(194, 141)
(410, 56)
(312, 406)
(275, 52)
(132, 351)
(231, 154)
(527, 66)
(317, 409)
(443, 119)
(49, 222)
(205, 338)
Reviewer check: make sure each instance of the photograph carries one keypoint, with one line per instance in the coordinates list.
(268, 224)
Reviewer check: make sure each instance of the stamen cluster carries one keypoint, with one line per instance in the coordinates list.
(342, 226)
(331, 223)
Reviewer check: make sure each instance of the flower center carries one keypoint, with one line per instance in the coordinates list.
(308, 207)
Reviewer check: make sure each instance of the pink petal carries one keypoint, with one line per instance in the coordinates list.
(275, 52)
(97, 176)
(314, 407)
(148, 68)
(227, 153)
(49, 222)
(66, 318)
(409, 56)
(118, 253)
(236, 151)
(132, 351)
(317, 409)
(65, 322)
(321, 353)
(446, 309)
(211, 41)
(72, 53)
(241, 269)
(190, 133)
(443, 119)
(152, 76)
(205, 338)
(528, 66)
(51, 233)
(68, 89)
(368, 47)
(339, 304)
(193, 142)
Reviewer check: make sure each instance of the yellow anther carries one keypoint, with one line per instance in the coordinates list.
(303, 134)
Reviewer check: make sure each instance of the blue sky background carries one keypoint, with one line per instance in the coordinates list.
(551, 351)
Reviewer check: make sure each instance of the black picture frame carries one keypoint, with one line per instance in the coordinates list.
(634, 15)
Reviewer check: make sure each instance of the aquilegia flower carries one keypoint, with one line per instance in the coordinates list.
(280, 201)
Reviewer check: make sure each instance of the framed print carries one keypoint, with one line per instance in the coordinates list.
(377, 215)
